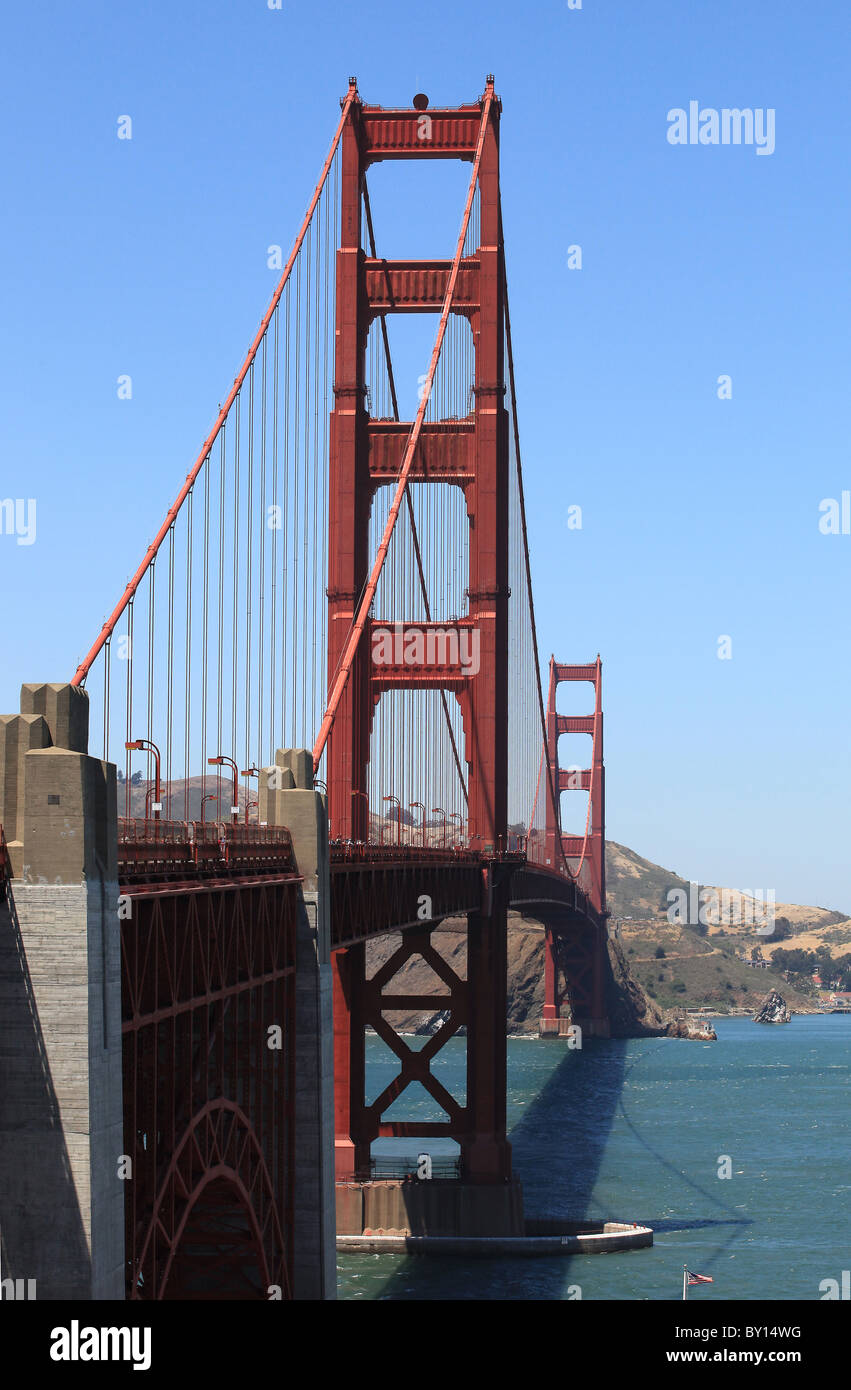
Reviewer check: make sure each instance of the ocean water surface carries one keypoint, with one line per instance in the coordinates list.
(638, 1130)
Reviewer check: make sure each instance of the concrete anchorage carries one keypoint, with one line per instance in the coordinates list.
(287, 797)
(61, 1200)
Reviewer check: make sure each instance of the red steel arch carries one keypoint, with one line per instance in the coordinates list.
(221, 1139)
(208, 1023)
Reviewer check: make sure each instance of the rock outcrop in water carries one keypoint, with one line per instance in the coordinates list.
(772, 1009)
(695, 1029)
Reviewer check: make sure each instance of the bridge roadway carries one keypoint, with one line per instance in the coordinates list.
(375, 889)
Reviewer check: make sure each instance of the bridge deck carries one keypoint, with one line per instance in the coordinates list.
(375, 888)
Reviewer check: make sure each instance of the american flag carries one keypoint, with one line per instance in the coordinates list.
(697, 1278)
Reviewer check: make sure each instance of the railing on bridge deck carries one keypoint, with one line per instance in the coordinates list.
(509, 849)
(388, 1167)
(163, 849)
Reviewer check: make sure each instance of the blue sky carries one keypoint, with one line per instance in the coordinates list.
(700, 516)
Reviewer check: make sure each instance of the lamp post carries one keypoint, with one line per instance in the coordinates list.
(208, 797)
(136, 745)
(398, 817)
(456, 815)
(411, 805)
(356, 792)
(439, 811)
(251, 771)
(219, 761)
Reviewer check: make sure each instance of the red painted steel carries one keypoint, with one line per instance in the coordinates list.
(209, 1104)
(399, 134)
(475, 287)
(151, 849)
(208, 948)
(577, 946)
(382, 889)
(445, 451)
(349, 355)
(420, 287)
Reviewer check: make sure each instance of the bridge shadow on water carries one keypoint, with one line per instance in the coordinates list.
(558, 1148)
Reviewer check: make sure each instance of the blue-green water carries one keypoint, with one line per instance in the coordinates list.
(635, 1131)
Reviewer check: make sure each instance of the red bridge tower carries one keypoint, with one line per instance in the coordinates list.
(472, 457)
(578, 949)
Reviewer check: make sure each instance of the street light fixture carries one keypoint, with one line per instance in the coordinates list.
(456, 815)
(439, 811)
(355, 823)
(138, 745)
(209, 797)
(219, 761)
(251, 771)
(398, 817)
(411, 805)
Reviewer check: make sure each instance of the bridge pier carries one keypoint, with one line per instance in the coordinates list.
(351, 1147)
(485, 1200)
(61, 1199)
(286, 797)
(582, 957)
(487, 1153)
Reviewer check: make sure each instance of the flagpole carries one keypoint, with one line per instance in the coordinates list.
(685, 1283)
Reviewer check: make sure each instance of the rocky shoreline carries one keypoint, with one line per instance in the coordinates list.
(635, 1015)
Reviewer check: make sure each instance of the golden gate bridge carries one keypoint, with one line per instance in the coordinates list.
(332, 630)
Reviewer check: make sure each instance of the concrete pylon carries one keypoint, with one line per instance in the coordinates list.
(287, 797)
(61, 1121)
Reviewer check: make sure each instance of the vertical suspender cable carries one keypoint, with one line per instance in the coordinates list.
(109, 625)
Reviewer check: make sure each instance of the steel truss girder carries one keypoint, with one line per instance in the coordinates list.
(209, 1101)
(415, 1065)
(373, 899)
(534, 887)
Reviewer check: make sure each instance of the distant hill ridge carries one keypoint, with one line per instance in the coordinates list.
(638, 888)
